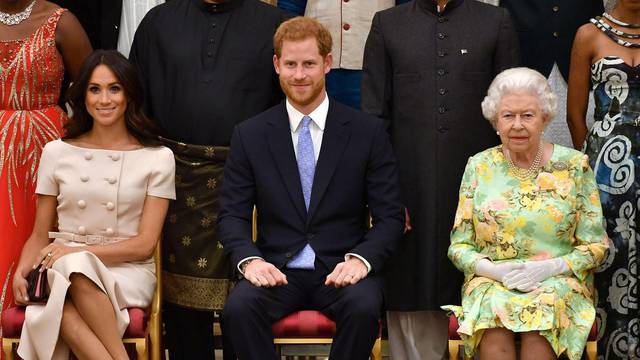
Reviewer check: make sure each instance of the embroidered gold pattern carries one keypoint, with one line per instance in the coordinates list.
(212, 183)
(209, 151)
(172, 258)
(191, 201)
(31, 74)
(205, 222)
(195, 292)
(202, 263)
(186, 240)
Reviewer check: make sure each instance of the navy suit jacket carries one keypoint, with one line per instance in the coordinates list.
(355, 174)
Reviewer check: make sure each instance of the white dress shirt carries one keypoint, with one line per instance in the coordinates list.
(316, 128)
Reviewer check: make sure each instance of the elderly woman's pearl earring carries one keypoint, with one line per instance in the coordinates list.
(497, 132)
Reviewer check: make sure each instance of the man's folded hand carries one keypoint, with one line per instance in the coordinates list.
(347, 273)
(263, 274)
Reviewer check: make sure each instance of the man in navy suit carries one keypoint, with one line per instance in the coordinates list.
(315, 170)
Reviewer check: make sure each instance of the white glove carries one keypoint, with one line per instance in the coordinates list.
(491, 270)
(535, 272)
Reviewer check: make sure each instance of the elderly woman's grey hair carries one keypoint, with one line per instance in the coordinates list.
(517, 80)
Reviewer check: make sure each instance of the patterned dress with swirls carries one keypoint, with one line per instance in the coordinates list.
(613, 146)
(499, 217)
(31, 71)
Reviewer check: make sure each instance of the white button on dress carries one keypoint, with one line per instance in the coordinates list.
(88, 156)
(82, 204)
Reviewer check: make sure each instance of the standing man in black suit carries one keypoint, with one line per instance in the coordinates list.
(313, 249)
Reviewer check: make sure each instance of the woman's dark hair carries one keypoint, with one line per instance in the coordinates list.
(139, 125)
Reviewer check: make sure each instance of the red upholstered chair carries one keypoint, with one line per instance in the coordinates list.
(143, 330)
(455, 342)
(308, 326)
(311, 327)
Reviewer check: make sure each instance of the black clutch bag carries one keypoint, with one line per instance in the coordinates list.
(37, 285)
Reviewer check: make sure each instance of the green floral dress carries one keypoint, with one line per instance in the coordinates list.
(504, 219)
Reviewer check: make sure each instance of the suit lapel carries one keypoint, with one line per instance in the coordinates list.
(281, 148)
(334, 140)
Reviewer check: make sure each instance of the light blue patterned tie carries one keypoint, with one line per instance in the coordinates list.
(306, 258)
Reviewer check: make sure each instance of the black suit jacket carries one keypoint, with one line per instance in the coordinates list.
(356, 168)
(546, 29)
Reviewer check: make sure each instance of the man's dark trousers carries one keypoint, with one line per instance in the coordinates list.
(251, 310)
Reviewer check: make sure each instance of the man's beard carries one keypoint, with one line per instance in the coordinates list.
(302, 99)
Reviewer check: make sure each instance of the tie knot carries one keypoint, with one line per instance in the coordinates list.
(306, 121)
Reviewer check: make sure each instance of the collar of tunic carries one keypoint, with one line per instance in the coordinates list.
(432, 6)
(219, 7)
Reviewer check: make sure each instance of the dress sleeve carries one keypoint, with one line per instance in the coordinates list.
(590, 238)
(463, 250)
(162, 178)
(47, 184)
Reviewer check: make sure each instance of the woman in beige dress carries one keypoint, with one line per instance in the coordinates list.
(102, 197)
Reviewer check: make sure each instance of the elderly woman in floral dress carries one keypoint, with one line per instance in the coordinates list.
(527, 233)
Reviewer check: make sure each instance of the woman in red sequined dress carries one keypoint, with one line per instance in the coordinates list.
(38, 41)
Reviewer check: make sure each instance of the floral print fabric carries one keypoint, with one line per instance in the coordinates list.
(612, 147)
(499, 217)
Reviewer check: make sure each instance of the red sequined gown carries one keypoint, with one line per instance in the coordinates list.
(31, 72)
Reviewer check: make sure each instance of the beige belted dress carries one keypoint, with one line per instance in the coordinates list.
(100, 200)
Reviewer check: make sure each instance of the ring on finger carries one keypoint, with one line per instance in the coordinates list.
(50, 254)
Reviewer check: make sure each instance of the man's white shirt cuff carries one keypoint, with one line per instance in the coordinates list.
(348, 255)
(246, 259)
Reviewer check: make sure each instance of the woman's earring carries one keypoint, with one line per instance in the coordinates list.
(497, 132)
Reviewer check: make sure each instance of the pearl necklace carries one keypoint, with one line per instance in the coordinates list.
(17, 18)
(525, 174)
(620, 23)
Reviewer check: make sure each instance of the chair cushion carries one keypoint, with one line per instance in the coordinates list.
(304, 324)
(138, 319)
(593, 334)
(453, 330)
(12, 319)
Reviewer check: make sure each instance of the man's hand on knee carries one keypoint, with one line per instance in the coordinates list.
(347, 273)
(263, 274)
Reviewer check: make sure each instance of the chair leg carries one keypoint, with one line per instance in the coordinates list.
(154, 343)
(142, 350)
(592, 350)
(7, 349)
(377, 350)
(454, 349)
